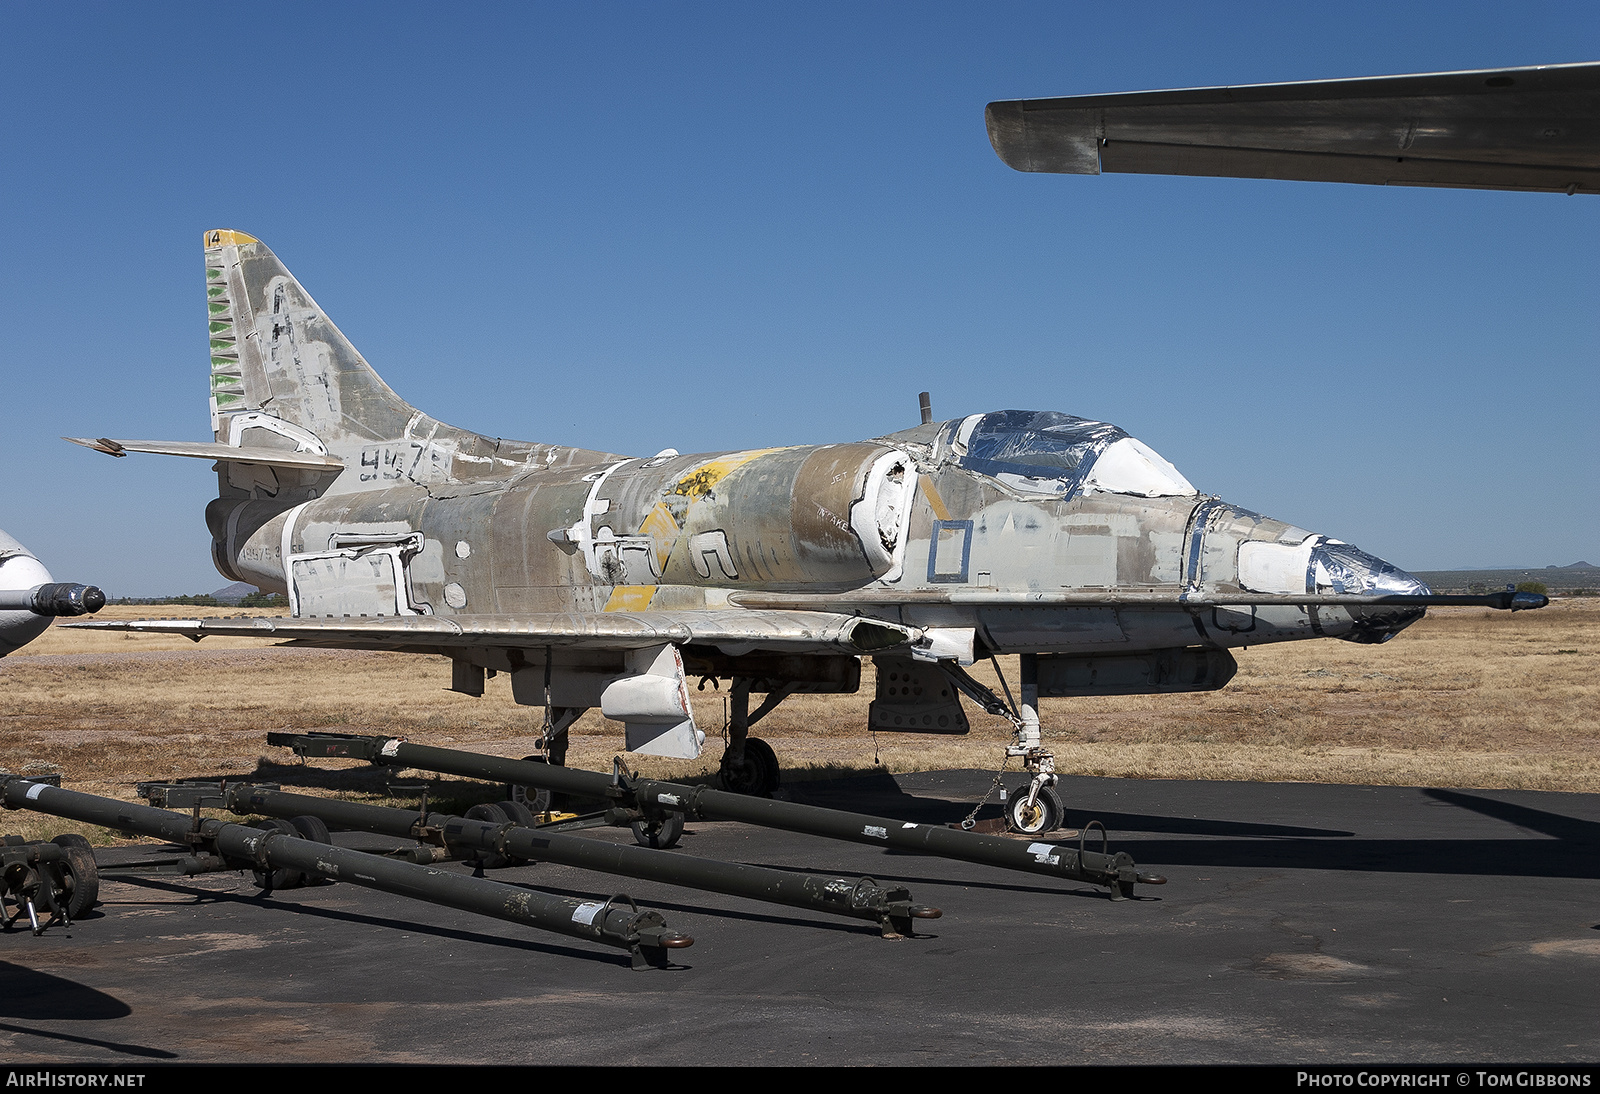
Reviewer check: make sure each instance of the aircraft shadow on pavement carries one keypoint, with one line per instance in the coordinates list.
(36, 996)
(1568, 848)
(41, 996)
(882, 795)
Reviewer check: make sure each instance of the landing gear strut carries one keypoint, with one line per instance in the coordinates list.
(1039, 810)
(553, 741)
(749, 766)
(1035, 808)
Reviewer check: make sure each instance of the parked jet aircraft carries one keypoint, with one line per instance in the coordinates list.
(601, 580)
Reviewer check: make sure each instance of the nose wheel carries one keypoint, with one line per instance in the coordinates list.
(1034, 813)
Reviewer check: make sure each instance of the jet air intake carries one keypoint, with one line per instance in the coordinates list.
(835, 515)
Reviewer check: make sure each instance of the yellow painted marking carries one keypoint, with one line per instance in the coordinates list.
(630, 598)
(663, 532)
(699, 482)
(222, 237)
(933, 497)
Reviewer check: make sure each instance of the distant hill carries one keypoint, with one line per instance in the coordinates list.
(232, 594)
(1580, 577)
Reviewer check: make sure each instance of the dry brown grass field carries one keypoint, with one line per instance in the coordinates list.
(1466, 698)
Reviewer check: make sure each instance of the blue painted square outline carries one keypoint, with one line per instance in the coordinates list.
(966, 552)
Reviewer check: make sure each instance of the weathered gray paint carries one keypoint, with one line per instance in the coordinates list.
(390, 530)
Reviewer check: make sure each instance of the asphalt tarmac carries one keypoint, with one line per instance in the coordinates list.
(1302, 924)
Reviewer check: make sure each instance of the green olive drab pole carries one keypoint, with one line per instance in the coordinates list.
(857, 898)
(653, 798)
(613, 923)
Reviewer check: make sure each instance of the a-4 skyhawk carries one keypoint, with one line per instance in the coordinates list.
(600, 580)
(609, 581)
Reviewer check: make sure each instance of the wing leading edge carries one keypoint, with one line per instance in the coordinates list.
(777, 631)
(1532, 128)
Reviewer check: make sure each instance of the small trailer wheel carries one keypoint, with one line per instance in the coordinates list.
(314, 829)
(493, 814)
(518, 813)
(82, 875)
(662, 833)
(283, 877)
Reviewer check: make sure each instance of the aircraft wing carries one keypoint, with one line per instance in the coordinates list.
(1497, 129)
(1130, 598)
(783, 631)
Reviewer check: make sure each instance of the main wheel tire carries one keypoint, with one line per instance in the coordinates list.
(741, 777)
(1043, 816)
(756, 774)
(535, 798)
(661, 833)
(771, 772)
(283, 877)
(82, 875)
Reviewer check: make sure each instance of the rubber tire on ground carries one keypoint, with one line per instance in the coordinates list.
(660, 834)
(535, 798)
(769, 761)
(314, 829)
(757, 775)
(517, 813)
(82, 875)
(282, 878)
(1045, 816)
(492, 814)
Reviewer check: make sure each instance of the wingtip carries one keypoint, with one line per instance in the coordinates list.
(100, 444)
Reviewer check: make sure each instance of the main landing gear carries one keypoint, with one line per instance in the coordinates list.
(749, 766)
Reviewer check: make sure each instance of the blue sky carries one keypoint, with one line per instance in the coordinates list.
(630, 227)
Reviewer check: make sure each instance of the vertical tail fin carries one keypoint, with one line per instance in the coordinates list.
(276, 355)
(282, 375)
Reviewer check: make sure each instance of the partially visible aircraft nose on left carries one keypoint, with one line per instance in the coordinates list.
(1256, 554)
(29, 599)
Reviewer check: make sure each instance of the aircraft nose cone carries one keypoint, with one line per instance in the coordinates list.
(1341, 568)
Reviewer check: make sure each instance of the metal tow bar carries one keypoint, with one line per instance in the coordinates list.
(219, 845)
(856, 898)
(635, 798)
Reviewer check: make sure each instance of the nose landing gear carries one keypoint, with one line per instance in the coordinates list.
(1037, 809)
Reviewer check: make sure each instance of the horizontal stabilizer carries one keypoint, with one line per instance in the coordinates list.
(781, 631)
(212, 450)
(1497, 129)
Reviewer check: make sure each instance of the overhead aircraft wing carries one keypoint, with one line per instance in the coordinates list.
(781, 631)
(1497, 129)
